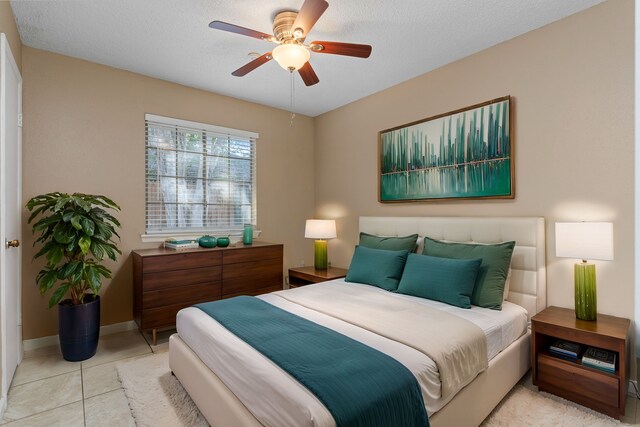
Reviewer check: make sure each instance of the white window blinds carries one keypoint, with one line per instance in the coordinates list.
(199, 177)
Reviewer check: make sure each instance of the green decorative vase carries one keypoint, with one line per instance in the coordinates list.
(207, 242)
(247, 234)
(224, 241)
(585, 298)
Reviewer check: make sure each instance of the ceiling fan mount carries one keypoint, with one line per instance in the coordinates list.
(283, 30)
(290, 28)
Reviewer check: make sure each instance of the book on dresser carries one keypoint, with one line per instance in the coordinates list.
(565, 350)
(600, 359)
(181, 244)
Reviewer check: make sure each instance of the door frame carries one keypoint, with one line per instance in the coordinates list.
(7, 60)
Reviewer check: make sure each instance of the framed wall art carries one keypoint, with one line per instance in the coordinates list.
(462, 154)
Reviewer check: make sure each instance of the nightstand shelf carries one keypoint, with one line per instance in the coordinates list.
(301, 276)
(597, 389)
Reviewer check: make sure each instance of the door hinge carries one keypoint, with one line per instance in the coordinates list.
(20, 120)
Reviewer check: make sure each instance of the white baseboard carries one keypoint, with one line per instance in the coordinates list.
(118, 327)
(35, 343)
(3, 406)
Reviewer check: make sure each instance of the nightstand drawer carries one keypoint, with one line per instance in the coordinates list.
(577, 380)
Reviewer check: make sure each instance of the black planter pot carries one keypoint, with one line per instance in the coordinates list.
(79, 328)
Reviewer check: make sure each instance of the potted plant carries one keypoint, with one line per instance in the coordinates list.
(76, 233)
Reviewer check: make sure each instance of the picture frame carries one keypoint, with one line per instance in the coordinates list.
(423, 161)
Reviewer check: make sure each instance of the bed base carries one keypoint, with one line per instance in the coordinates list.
(469, 407)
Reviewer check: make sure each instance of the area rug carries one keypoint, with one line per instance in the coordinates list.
(156, 398)
(525, 407)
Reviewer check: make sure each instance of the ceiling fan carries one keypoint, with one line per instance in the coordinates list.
(290, 28)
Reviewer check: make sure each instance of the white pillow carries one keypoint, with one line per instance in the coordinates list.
(506, 285)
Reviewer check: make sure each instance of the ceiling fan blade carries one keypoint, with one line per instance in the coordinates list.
(245, 69)
(347, 49)
(309, 76)
(224, 26)
(309, 14)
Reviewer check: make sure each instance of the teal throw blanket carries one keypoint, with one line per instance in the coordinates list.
(359, 385)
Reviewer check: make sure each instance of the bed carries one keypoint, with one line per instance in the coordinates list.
(466, 407)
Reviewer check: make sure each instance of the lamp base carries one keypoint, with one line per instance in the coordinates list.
(320, 256)
(585, 291)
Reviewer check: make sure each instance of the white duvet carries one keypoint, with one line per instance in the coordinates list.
(251, 376)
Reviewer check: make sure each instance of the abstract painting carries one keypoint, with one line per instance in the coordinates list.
(462, 154)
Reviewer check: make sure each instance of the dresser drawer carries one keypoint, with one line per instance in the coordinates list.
(181, 261)
(254, 292)
(252, 254)
(575, 379)
(181, 294)
(179, 278)
(160, 317)
(249, 276)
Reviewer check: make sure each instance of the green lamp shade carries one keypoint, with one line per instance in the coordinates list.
(320, 258)
(585, 277)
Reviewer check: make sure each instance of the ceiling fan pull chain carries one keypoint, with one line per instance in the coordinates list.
(293, 91)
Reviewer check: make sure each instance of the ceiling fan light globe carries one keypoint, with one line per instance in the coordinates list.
(291, 56)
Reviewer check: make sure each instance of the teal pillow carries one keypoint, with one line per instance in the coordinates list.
(405, 243)
(377, 267)
(446, 280)
(489, 289)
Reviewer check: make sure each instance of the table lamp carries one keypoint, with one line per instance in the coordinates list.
(585, 240)
(320, 229)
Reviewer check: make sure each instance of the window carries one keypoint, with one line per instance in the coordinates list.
(199, 178)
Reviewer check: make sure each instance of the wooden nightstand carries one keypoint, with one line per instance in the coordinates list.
(301, 276)
(596, 389)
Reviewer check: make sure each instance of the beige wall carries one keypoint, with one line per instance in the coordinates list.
(572, 86)
(572, 89)
(84, 132)
(8, 26)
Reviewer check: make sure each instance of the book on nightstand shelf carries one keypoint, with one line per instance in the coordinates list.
(600, 359)
(565, 350)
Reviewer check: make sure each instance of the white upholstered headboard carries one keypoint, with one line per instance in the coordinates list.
(528, 286)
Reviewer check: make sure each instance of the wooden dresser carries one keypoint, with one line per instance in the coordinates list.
(166, 281)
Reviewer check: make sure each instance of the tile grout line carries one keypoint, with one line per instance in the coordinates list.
(115, 360)
(44, 378)
(84, 413)
(149, 351)
(37, 413)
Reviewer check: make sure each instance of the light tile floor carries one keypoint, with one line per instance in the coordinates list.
(49, 391)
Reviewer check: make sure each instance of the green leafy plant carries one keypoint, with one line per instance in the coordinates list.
(76, 234)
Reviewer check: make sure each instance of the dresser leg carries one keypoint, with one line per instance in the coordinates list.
(154, 336)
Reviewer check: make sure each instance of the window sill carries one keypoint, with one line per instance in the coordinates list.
(234, 236)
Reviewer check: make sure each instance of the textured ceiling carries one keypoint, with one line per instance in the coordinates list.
(170, 40)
